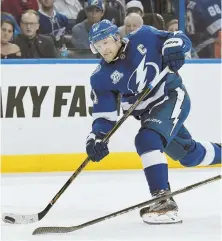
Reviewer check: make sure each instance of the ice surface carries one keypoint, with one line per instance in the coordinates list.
(94, 194)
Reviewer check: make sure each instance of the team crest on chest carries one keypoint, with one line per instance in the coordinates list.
(116, 76)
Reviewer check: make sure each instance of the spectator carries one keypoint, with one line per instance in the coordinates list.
(203, 24)
(80, 32)
(17, 7)
(51, 22)
(134, 6)
(118, 5)
(110, 13)
(8, 50)
(172, 25)
(69, 8)
(8, 16)
(34, 45)
(132, 22)
(154, 19)
(148, 5)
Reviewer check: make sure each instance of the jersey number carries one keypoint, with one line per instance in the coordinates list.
(214, 10)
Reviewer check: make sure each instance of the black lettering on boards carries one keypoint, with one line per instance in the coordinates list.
(59, 101)
(78, 103)
(37, 99)
(15, 102)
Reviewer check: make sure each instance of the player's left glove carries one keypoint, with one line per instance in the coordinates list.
(95, 148)
(173, 53)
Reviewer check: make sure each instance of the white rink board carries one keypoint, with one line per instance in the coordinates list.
(47, 134)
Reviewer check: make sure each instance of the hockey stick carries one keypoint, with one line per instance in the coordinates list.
(47, 230)
(24, 219)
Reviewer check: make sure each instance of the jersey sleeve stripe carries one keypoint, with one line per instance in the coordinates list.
(214, 27)
(143, 104)
(204, 44)
(111, 116)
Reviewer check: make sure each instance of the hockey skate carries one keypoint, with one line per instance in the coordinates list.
(163, 212)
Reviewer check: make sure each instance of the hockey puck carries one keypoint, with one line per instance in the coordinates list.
(8, 219)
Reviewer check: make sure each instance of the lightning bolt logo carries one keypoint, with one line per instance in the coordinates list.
(177, 107)
(140, 73)
(140, 76)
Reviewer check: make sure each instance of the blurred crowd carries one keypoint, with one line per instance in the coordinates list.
(59, 28)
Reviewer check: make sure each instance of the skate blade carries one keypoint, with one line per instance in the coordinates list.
(179, 222)
(169, 217)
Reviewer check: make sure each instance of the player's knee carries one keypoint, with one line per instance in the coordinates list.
(177, 150)
(180, 145)
(194, 156)
(148, 140)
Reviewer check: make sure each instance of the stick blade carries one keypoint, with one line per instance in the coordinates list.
(55, 230)
(19, 219)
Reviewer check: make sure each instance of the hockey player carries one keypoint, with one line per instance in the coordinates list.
(127, 67)
(203, 23)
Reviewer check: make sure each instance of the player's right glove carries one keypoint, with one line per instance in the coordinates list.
(95, 148)
(173, 53)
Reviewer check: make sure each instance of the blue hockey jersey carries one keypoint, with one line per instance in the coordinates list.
(136, 67)
(203, 21)
(55, 25)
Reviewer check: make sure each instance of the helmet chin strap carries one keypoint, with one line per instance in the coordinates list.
(123, 45)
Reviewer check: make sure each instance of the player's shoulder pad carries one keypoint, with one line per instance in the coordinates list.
(145, 30)
(143, 34)
(98, 77)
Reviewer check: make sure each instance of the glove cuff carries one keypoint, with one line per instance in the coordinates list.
(172, 42)
(93, 137)
(90, 137)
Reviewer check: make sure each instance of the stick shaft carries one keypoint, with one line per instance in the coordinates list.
(140, 205)
(110, 133)
(13, 218)
(46, 230)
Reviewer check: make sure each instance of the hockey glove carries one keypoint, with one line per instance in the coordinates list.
(173, 54)
(95, 148)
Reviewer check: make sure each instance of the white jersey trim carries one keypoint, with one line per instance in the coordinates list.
(204, 44)
(177, 107)
(159, 103)
(111, 116)
(153, 158)
(144, 104)
(214, 27)
(210, 153)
